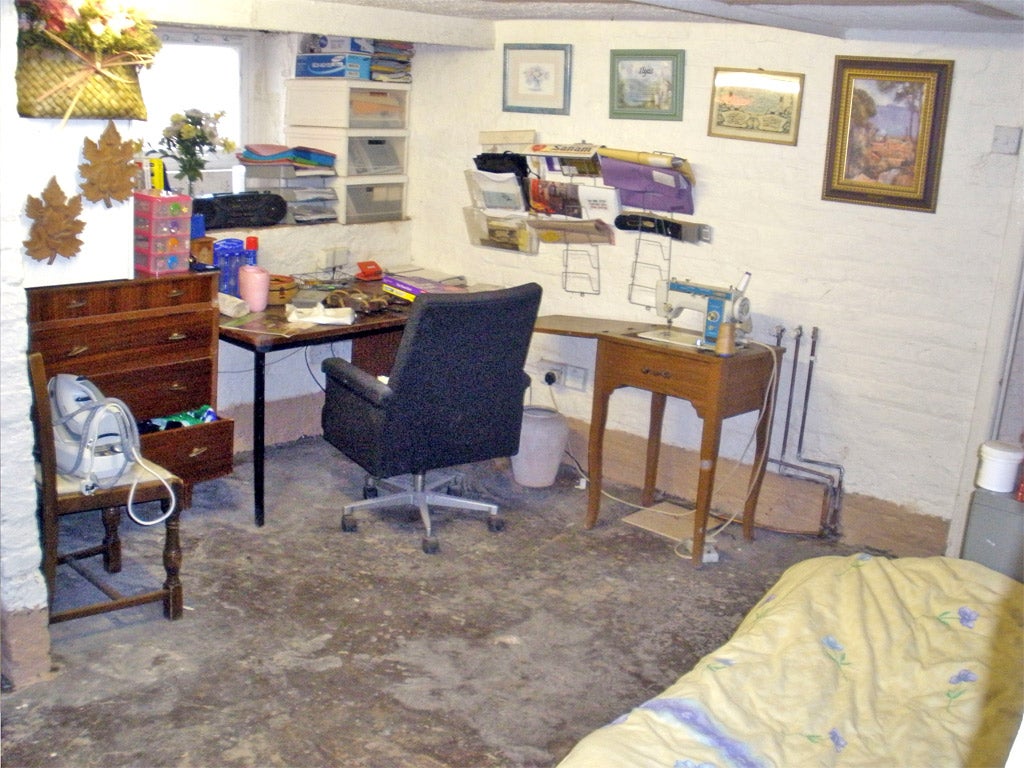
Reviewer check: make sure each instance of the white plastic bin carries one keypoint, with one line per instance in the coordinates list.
(542, 442)
(999, 468)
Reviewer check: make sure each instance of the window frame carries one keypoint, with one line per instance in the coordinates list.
(244, 42)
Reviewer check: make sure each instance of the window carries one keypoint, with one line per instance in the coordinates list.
(205, 70)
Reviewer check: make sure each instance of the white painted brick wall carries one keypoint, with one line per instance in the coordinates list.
(905, 301)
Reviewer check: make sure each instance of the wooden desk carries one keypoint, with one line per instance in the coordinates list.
(717, 387)
(374, 339)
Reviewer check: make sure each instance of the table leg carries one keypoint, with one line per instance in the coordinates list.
(258, 428)
(598, 418)
(711, 436)
(757, 473)
(653, 447)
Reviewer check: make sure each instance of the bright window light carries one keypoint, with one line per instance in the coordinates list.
(196, 70)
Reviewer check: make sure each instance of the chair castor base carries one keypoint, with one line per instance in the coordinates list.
(349, 524)
(431, 545)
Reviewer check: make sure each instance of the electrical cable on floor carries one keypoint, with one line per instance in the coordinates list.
(640, 507)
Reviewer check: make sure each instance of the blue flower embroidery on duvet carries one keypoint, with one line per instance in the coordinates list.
(959, 680)
(963, 676)
(835, 651)
(967, 617)
(691, 715)
(837, 740)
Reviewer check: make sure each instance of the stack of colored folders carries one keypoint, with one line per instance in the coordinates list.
(391, 61)
(299, 158)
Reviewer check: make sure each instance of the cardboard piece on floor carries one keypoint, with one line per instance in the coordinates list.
(664, 519)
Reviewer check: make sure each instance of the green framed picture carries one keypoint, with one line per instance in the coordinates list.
(646, 85)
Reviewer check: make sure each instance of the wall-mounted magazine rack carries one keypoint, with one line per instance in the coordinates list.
(500, 229)
(581, 270)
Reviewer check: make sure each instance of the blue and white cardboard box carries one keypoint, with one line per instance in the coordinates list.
(351, 65)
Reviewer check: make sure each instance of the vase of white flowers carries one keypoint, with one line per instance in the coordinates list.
(188, 139)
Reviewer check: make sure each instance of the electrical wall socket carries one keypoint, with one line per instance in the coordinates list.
(565, 375)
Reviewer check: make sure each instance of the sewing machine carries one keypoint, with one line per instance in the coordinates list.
(703, 308)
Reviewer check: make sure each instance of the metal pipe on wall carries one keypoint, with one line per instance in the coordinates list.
(832, 501)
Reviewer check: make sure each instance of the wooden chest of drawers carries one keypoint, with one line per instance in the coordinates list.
(152, 342)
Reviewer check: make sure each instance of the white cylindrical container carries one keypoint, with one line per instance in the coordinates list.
(541, 445)
(999, 467)
(254, 287)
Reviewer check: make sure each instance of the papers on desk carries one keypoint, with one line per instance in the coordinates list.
(320, 315)
(267, 325)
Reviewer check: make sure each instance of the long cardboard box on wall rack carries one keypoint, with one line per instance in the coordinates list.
(354, 66)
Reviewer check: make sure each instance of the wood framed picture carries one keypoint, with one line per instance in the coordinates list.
(755, 105)
(537, 78)
(646, 85)
(886, 131)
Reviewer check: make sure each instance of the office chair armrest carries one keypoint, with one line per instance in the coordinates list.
(356, 380)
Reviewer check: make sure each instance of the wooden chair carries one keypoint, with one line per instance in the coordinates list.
(59, 496)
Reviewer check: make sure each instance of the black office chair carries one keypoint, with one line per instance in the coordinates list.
(454, 396)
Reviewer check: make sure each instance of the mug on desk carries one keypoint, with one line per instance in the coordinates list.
(254, 286)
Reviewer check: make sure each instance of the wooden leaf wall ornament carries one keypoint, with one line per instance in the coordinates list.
(56, 226)
(108, 170)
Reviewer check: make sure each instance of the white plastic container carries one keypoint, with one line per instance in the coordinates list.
(999, 468)
(541, 445)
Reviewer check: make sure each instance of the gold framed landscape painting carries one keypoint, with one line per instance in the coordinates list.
(886, 131)
(755, 105)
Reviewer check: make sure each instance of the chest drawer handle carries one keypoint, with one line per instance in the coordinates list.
(177, 336)
(199, 450)
(177, 386)
(176, 294)
(81, 349)
(76, 304)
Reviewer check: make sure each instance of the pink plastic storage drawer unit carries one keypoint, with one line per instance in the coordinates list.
(162, 227)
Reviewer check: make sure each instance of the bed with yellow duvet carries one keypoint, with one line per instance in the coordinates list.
(846, 661)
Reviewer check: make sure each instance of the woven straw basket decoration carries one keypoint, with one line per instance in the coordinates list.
(55, 83)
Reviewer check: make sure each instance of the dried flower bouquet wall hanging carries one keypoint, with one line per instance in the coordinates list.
(81, 59)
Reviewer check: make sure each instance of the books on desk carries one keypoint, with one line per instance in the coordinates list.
(408, 287)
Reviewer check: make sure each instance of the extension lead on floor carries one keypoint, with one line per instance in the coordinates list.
(710, 553)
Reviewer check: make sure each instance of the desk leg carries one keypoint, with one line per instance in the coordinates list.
(258, 414)
(710, 438)
(653, 447)
(598, 418)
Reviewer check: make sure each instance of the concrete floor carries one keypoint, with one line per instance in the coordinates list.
(305, 646)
